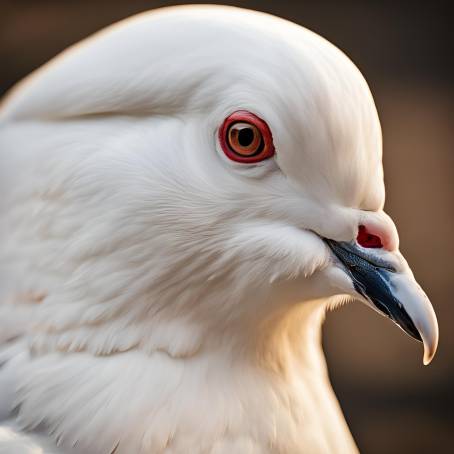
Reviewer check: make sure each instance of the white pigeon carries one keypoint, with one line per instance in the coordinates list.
(183, 196)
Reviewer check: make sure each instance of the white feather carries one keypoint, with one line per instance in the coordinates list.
(164, 298)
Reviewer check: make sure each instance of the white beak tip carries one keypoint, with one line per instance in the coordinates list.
(420, 311)
(429, 352)
(427, 360)
(429, 333)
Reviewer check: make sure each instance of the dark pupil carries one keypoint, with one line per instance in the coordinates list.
(245, 137)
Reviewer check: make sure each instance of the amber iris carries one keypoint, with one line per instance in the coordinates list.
(246, 138)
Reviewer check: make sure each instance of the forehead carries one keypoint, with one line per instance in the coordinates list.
(215, 60)
(328, 132)
(316, 102)
(319, 107)
(170, 58)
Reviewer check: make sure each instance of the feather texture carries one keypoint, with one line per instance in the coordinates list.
(156, 297)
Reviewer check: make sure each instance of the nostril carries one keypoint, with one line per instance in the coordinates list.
(367, 239)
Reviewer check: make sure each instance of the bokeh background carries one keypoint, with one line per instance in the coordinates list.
(406, 51)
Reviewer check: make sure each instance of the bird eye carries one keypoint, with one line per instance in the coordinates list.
(246, 138)
(367, 239)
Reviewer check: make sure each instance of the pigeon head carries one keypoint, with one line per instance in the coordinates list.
(208, 171)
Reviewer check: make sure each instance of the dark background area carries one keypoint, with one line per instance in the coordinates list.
(405, 50)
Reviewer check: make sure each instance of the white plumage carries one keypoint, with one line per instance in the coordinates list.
(155, 296)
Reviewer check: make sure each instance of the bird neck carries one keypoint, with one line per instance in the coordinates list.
(284, 343)
(268, 387)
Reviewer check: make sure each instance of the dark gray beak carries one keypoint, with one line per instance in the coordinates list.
(390, 287)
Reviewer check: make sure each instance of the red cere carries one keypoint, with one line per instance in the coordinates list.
(368, 240)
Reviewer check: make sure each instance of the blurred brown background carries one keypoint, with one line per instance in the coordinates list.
(405, 50)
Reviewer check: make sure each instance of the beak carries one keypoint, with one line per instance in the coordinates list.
(386, 283)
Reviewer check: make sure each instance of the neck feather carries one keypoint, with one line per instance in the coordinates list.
(270, 389)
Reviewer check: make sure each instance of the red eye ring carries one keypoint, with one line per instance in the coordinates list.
(257, 139)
